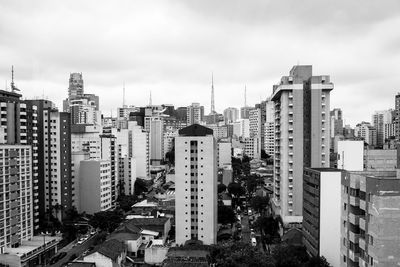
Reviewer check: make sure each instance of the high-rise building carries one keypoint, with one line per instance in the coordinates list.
(369, 221)
(302, 137)
(195, 114)
(75, 88)
(336, 122)
(245, 112)
(255, 122)
(367, 132)
(140, 149)
(379, 120)
(19, 126)
(397, 116)
(269, 132)
(231, 115)
(224, 155)
(58, 184)
(196, 185)
(252, 147)
(321, 212)
(95, 177)
(156, 140)
(16, 223)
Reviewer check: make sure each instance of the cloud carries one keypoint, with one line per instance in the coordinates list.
(171, 48)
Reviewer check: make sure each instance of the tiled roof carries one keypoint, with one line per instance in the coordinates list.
(112, 249)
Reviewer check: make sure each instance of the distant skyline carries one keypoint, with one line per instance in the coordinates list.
(171, 48)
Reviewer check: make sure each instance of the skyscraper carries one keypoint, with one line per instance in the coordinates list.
(379, 120)
(302, 130)
(75, 88)
(231, 115)
(195, 113)
(336, 122)
(269, 132)
(196, 185)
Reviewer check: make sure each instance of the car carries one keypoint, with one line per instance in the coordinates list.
(93, 232)
(81, 241)
(253, 241)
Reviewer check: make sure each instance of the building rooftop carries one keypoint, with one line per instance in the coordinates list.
(326, 169)
(33, 245)
(81, 264)
(195, 130)
(111, 248)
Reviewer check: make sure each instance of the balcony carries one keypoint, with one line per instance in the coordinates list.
(363, 205)
(354, 237)
(362, 224)
(354, 219)
(355, 201)
(361, 243)
(353, 256)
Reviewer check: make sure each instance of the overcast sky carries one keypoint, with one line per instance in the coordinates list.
(172, 47)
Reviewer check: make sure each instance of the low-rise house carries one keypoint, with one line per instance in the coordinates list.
(111, 253)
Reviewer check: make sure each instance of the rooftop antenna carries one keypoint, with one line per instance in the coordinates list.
(150, 101)
(245, 96)
(212, 94)
(13, 88)
(123, 96)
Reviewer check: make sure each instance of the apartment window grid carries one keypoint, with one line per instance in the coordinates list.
(194, 188)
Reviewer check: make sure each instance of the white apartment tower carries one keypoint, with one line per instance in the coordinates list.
(196, 185)
(231, 115)
(269, 144)
(195, 113)
(302, 129)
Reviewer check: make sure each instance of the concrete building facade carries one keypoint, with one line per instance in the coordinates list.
(196, 185)
(302, 136)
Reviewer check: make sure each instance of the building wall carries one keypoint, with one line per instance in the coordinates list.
(140, 150)
(196, 217)
(95, 186)
(330, 212)
(224, 154)
(351, 155)
(381, 159)
(16, 200)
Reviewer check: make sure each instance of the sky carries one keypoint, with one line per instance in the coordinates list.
(171, 48)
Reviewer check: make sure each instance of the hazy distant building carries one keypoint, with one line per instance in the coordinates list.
(301, 121)
(245, 112)
(195, 114)
(379, 120)
(367, 132)
(75, 88)
(231, 115)
(269, 132)
(336, 120)
(397, 116)
(196, 185)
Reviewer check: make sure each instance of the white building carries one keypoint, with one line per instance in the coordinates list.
(252, 147)
(224, 153)
(219, 131)
(195, 113)
(231, 115)
(269, 144)
(379, 120)
(169, 137)
(302, 137)
(351, 155)
(140, 149)
(156, 140)
(322, 213)
(95, 186)
(241, 128)
(367, 132)
(255, 122)
(196, 185)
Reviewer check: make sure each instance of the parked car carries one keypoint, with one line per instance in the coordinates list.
(253, 241)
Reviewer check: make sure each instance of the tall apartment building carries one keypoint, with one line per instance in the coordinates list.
(140, 149)
(231, 115)
(109, 151)
(336, 122)
(156, 140)
(379, 120)
(58, 182)
(195, 114)
(241, 128)
(75, 88)
(224, 153)
(302, 130)
(269, 132)
(255, 122)
(169, 140)
(369, 221)
(397, 116)
(196, 185)
(95, 186)
(19, 125)
(16, 201)
(252, 147)
(322, 212)
(367, 132)
(245, 112)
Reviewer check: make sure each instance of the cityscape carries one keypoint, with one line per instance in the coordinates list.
(222, 173)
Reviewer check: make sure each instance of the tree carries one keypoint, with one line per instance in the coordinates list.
(226, 215)
(126, 202)
(221, 188)
(259, 203)
(269, 229)
(236, 167)
(289, 256)
(236, 189)
(237, 254)
(170, 155)
(106, 220)
(317, 262)
(140, 187)
(252, 182)
(246, 165)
